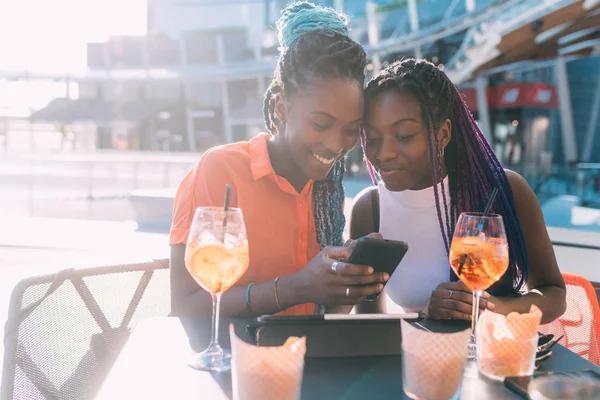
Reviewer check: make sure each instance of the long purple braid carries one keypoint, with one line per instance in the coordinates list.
(468, 159)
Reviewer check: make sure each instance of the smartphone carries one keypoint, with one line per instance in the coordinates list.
(518, 384)
(381, 254)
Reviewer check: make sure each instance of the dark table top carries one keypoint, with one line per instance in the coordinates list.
(152, 365)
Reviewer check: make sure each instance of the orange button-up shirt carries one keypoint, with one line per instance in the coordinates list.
(280, 222)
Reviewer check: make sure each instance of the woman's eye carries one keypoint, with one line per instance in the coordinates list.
(404, 138)
(319, 127)
(372, 141)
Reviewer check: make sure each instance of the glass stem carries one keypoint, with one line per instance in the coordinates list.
(475, 315)
(216, 300)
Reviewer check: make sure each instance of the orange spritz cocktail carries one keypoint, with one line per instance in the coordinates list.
(216, 257)
(216, 267)
(484, 260)
(479, 257)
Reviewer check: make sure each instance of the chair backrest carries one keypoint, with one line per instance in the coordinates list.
(580, 324)
(64, 330)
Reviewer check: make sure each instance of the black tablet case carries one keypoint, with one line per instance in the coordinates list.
(348, 338)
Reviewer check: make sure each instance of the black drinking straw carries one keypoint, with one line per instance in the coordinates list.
(487, 208)
(486, 211)
(226, 210)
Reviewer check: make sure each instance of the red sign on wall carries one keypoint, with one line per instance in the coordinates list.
(515, 95)
(526, 94)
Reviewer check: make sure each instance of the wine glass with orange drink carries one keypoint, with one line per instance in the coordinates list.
(479, 257)
(216, 257)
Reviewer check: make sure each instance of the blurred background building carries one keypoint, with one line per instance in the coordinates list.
(198, 74)
(195, 76)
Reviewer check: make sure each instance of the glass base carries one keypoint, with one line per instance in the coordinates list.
(212, 359)
(413, 396)
(492, 377)
(472, 348)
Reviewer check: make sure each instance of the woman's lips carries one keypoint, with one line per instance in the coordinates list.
(388, 172)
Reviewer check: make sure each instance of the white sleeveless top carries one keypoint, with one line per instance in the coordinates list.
(411, 216)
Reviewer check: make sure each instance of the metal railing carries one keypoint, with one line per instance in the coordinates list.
(31, 182)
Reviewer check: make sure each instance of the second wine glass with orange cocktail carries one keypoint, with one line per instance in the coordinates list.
(216, 257)
(479, 257)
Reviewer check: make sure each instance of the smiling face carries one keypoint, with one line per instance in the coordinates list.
(322, 123)
(397, 143)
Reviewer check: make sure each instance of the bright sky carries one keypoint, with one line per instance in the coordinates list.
(51, 34)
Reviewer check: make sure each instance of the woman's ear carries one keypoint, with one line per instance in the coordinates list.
(445, 133)
(280, 108)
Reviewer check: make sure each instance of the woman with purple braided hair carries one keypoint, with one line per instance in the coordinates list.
(434, 163)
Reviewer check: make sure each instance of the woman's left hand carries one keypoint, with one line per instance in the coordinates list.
(352, 242)
(454, 300)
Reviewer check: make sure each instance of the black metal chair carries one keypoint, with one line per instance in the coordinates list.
(64, 330)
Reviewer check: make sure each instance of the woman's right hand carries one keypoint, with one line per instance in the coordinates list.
(328, 280)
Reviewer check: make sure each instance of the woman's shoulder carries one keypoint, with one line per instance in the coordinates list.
(235, 162)
(514, 178)
(522, 192)
(363, 219)
(239, 153)
(226, 153)
(364, 199)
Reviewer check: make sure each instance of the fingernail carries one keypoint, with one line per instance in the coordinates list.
(490, 306)
(386, 276)
(380, 287)
(486, 295)
(370, 270)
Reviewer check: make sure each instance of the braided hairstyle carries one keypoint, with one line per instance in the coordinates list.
(314, 43)
(473, 169)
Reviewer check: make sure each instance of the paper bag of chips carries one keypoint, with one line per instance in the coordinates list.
(267, 372)
(506, 345)
(433, 363)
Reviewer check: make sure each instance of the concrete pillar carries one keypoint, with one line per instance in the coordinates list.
(566, 112)
(220, 49)
(228, 131)
(146, 65)
(106, 56)
(413, 15)
(67, 88)
(481, 84)
(187, 96)
(261, 87)
(254, 34)
(592, 124)
(373, 33)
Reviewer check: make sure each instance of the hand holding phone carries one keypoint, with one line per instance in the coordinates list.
(381, 254)
(330, 279)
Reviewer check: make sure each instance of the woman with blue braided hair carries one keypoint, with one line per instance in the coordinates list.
(434, 163)
(288, 183)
